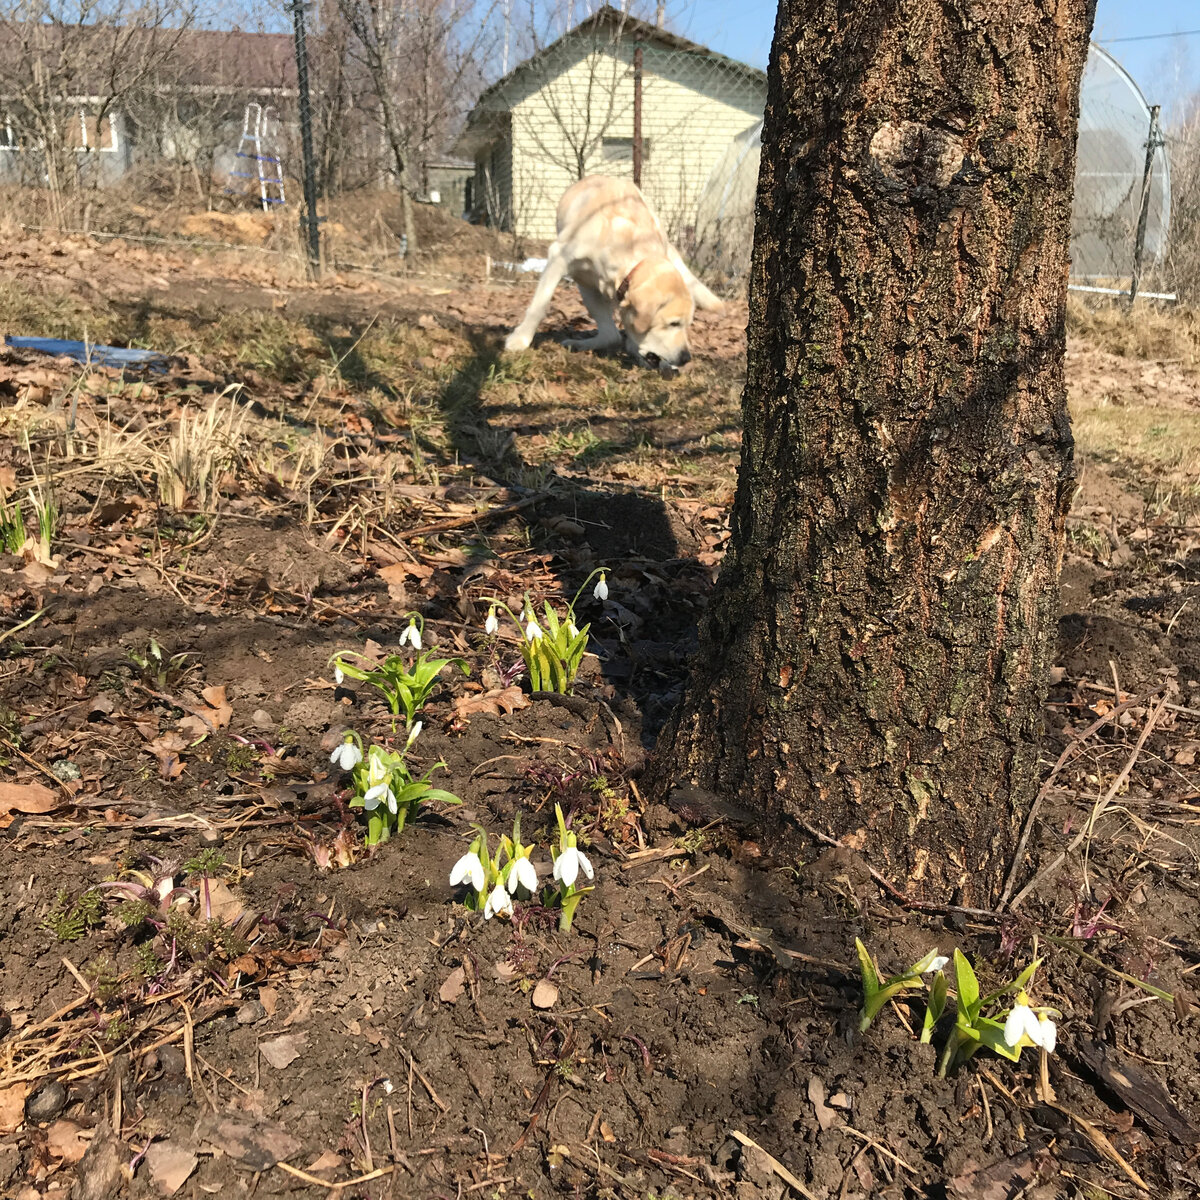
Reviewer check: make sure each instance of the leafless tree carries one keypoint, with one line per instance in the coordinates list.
(66, 67)
(420, 61)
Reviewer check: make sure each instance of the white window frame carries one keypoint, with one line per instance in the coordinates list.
(112, 133)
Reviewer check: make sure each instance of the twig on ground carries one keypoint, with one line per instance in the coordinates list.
(1099, 809)
(334, 1187)
(1044, 790)
(774, 1164)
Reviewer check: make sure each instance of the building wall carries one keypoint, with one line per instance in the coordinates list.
(492, 194)
(105, 159)
(573, 116)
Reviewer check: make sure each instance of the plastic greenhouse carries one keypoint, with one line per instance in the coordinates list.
(1114, 127)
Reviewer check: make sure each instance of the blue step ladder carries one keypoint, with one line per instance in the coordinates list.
(257, 158)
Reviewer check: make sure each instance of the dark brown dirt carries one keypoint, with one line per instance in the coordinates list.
(707, 990)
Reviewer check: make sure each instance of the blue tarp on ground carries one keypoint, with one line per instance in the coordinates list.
(100, 356)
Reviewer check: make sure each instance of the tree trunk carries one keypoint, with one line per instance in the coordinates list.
(873, 657)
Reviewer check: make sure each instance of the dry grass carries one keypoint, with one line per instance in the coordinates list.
(1151, 330)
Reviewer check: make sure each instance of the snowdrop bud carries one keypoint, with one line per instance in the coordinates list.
(491, 625)
(600, 591)
(937, 964)
(414, 733)
(338, 674)
(532, 631)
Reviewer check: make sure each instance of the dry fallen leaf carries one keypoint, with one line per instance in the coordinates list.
(63, 1141)
(27, 798)
(12, 1106)
(284, 1050)
(545, 995)
(327, 1162)
(169, 1166)
(508, 699)
(816, 1095)
(452, 986)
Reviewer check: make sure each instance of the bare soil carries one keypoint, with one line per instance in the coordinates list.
(346, 1018)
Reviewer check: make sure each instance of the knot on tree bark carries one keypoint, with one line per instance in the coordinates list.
(912, 155)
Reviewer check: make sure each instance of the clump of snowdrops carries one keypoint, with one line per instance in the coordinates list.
(406, 689)
(494, 881)
(553, 649)
(385, 788)
(982, 1021)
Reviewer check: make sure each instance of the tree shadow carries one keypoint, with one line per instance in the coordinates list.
(642, 645)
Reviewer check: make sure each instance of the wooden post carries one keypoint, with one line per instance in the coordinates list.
(1139, 244)
(637, 114)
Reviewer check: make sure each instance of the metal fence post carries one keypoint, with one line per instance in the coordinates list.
(1153, 141)
(637, 114)
(310, 222)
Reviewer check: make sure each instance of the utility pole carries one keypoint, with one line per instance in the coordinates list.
(637, 114)
(507, 36)
(309, 222)
(660, 14)
(1153, 141)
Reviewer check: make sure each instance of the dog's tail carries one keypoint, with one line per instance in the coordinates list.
(703, 298)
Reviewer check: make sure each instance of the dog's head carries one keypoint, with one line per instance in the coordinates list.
(656, 310)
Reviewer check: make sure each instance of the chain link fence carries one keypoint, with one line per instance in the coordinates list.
(1115, 135)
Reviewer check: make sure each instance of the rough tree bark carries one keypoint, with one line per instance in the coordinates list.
(873, 657)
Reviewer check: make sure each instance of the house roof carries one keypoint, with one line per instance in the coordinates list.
(486, 118)
(219, 61)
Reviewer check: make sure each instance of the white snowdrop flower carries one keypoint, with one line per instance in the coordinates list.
(492, 624)
(411, 636)
(381, 791)
(1024, 1022)
(600, 591)
(521, 872)
(347, 756)
(533, 631)
(936, 965)
(469, 869)
(1049, 1033)
(339, 676)
(571, 630)
(499, 904)
(568, 865)
(414, 733)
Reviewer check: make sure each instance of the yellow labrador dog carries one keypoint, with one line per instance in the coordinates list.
(613, 247)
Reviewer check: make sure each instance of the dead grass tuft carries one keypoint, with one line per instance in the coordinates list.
(1150, 330)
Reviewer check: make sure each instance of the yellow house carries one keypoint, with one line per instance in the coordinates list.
(569, 111)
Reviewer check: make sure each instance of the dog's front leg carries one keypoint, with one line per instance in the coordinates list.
(607, 335)
(556, 268)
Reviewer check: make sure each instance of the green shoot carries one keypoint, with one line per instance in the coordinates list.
(878, 991)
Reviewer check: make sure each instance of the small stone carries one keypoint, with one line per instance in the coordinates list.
(45, 1102)
(262, 719)
(171, 1059)
(250, 1013)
